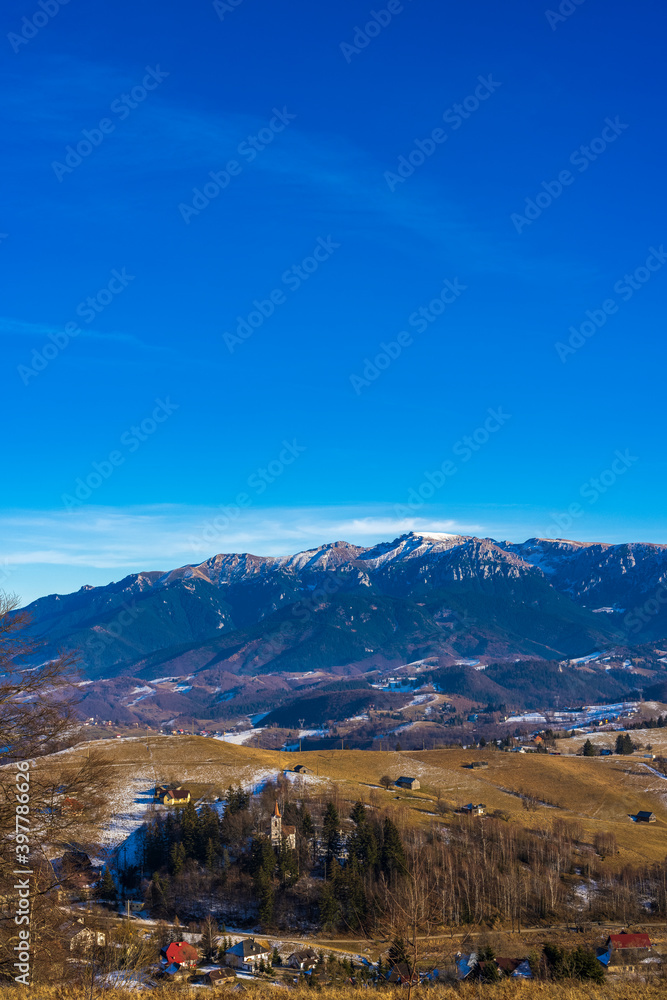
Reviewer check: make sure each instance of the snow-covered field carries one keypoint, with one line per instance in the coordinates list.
(240, 739)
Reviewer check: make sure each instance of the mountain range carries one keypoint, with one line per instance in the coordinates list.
(348, 610)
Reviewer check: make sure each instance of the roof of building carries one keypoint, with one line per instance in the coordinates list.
(400, 973)
(517, 967)
(179, 952)
(215, 975)
(276, 811)
(247, 948)
(626, 940)
(70, 930)
(177, 793)
(644, 814)
(306, 955)
(465, 964)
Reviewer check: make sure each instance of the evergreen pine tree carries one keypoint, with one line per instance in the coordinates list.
(392, 856)
(266, 898)
(331, 835)
(106, 887)
(288, 869)
(178, 858)
(211, 856)
(329, 908)
(358, 814)
(189, 829)
(397, 951)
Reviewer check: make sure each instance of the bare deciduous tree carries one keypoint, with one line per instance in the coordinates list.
(56, 797)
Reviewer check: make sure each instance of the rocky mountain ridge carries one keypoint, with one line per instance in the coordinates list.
(348, 608)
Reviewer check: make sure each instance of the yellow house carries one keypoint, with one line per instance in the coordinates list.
(172, 795)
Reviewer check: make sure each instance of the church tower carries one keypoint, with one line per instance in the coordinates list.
(276, 827)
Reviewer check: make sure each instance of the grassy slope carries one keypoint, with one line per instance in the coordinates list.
(502, 991)
(601, 792)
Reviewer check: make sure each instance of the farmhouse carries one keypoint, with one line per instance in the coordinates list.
(180, 953)
(247, 954)
(405, 782)
(625, 952)
(215, 977)
(474, 810)
(81, 938)
(645, 817)
(172, 795)
(304, 960)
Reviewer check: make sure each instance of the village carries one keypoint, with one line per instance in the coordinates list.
(205, 959)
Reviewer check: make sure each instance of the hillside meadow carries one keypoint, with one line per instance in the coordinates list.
(626, 990)
(530, 789)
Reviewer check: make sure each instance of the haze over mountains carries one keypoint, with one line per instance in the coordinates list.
(349, 610)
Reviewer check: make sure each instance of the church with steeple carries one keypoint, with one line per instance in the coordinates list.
(278, 831)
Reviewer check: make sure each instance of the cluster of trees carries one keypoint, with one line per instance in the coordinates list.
(195, 855)
(658, 723)
(624, 745)
(375, 860)
(196, 858)
(491, 868)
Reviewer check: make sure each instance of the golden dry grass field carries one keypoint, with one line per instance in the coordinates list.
(628, 990)
(602, 793)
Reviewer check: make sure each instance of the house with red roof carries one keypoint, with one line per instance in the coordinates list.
(626, 952)
(625, 940)
(180, 953)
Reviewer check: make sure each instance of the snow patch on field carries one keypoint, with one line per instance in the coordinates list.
(128, 806)
(239, 739)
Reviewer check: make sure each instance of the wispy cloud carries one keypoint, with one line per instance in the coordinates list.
(165, 137)
(153, 537)
(11, 327)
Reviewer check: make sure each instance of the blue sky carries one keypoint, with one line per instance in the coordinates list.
(165, 341)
